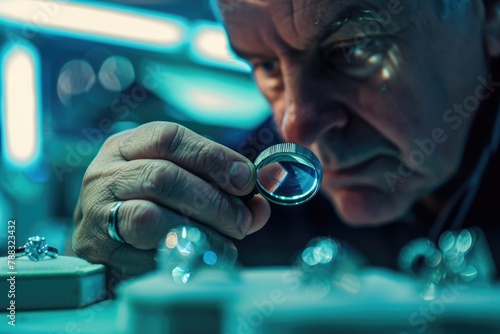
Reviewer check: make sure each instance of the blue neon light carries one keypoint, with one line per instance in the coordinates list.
(198, 55)
(180, 22)
(205, 97)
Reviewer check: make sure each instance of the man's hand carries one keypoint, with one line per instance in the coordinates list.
(167, 176)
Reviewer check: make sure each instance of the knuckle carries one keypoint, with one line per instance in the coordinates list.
(222, 212)
(117, 183)
(175, 181)
(153, 179)
(203, 195)
(123, 142)
(141, 224)
(211, 157)
(116, 141)
(169, 137)
(135, 140)
(164, 181)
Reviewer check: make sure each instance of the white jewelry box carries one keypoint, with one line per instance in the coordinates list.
(63, 282)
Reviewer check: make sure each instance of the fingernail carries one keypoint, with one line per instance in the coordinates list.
(240, 174)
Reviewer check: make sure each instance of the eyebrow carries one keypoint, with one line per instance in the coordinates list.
(245, 54)
(354, 13)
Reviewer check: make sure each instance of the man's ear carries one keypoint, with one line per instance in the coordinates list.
(489, 13)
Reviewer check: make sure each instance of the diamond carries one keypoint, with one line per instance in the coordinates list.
(36, 248)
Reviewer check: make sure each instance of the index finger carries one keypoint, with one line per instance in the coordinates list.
(211, 161)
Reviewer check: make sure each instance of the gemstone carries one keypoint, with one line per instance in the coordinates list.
(36, 248)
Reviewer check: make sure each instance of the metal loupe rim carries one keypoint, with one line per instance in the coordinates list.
(289, 149)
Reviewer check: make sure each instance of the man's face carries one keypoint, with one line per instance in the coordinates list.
(383, 91)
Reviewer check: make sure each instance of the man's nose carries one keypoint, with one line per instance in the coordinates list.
(311, 106)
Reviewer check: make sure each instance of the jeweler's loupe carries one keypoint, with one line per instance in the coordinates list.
(288, 174)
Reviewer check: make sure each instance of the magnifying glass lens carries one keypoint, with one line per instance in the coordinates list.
(288, 174)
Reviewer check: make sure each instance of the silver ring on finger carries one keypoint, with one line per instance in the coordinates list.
(113, 221)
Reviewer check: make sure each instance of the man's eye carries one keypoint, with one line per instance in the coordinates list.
(359, 59)
(269, 67)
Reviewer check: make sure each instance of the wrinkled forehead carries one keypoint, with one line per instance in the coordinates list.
(292, 18)
(283, 9)
(280, 11)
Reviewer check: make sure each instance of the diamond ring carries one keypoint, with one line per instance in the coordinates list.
(112, 221)
(36, 249)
